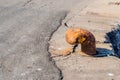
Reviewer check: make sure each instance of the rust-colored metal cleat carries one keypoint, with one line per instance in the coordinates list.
(75, 36)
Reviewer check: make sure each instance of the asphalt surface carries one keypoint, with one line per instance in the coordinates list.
(25, 29)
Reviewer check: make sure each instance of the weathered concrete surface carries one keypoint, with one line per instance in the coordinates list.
(25, 28)
(99, 17)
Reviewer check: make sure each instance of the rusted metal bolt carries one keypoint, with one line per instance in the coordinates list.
(76, 36)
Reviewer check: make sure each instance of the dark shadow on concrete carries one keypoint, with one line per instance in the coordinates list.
(114, 38)
(102, 52)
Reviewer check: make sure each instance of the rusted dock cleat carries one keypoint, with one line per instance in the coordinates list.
(75, 36)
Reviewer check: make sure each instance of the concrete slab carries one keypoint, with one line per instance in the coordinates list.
(25, 29)
(99, 18)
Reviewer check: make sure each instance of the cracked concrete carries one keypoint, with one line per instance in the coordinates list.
(24, 34)
(99, 18)
(27, 2)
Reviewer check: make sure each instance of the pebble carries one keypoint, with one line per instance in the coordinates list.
(110, 74)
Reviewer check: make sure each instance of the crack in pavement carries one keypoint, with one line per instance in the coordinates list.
(27, 2)
(50, 58)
